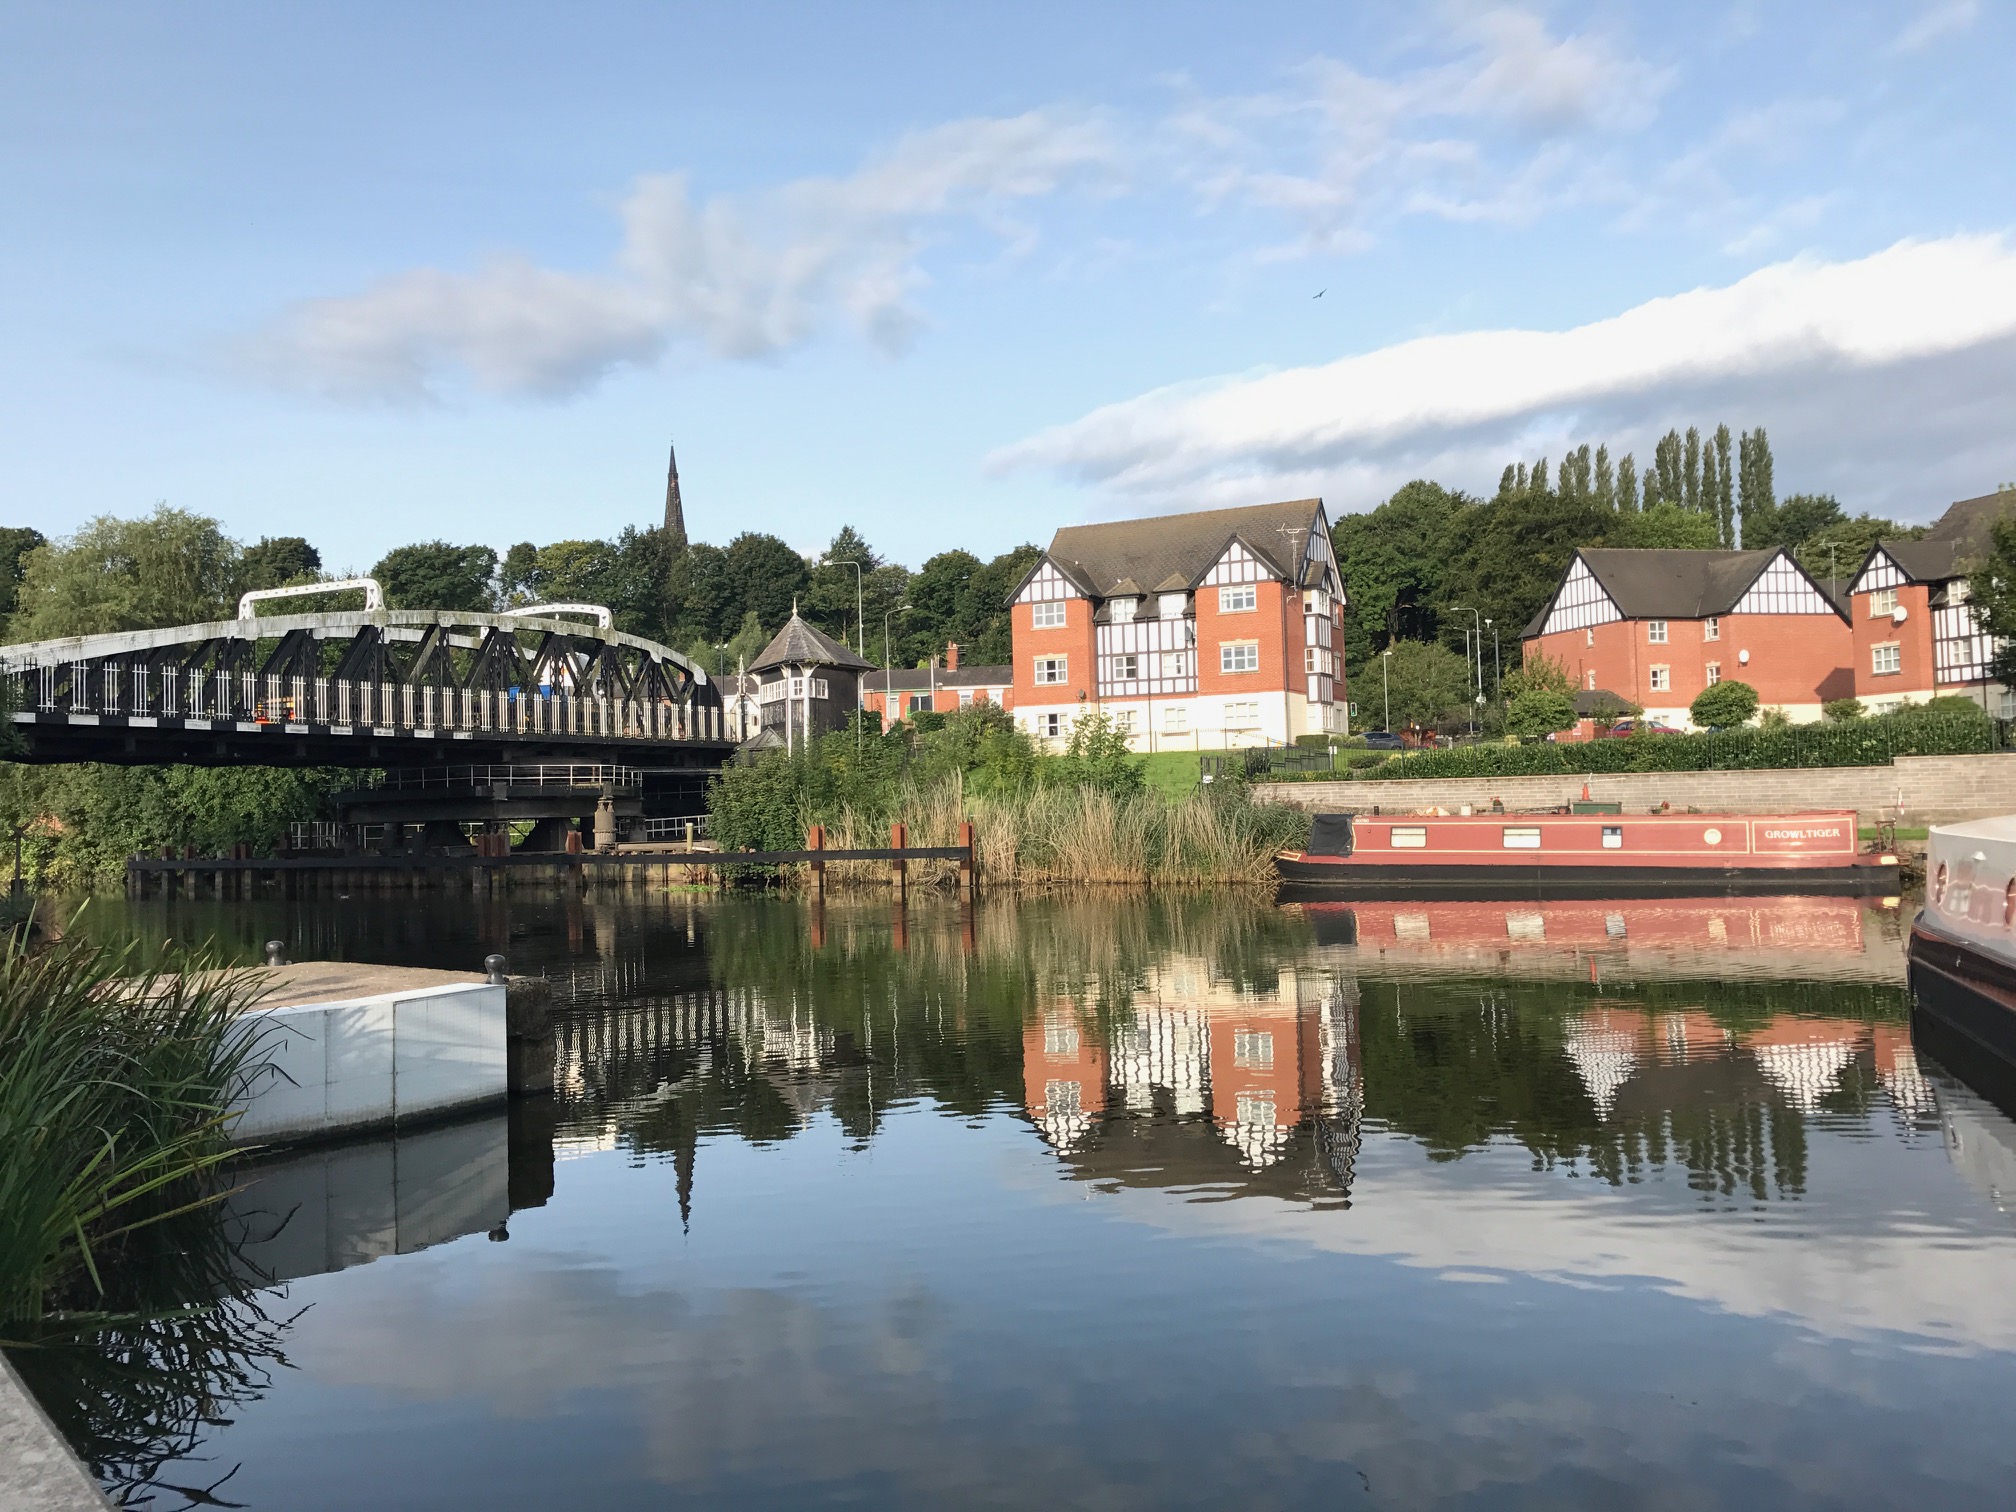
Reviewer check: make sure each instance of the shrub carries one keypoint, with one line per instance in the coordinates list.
(1838, 709)
(1359, 761)
(1724, 705)
(1540, 711)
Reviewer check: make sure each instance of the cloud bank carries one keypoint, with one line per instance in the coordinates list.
(741, 277)
(1910, 350)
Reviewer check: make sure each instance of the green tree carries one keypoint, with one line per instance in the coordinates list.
(1725, 489)
(1606, 480)
(1836, 710)
(941, 606)
(1510, 554)
(768, 577)
(992, 584)
(16, 541)
(1837, 548)
(1426, 684)
(1757, 496)
(1723, 705)
(841, 601)
(1540, 711)
(706, 598)
(1690, 469)
(437, 575)
(1992, 588)
(278, 562)
(1627, 484)
(1668, 526)
(167, 568)
(1098, 756)
(1799, 517)
(1396, 561)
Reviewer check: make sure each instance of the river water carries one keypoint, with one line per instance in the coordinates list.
(1187, 1201)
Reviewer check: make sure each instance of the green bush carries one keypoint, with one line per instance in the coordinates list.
(1724, 705)
(1359, 761)
(1540, 711)
(1838, 709)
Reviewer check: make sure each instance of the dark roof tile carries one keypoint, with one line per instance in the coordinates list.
(1179, 549)
(803, 645)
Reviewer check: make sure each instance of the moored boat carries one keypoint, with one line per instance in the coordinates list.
(1607, 855)
(1963, 942)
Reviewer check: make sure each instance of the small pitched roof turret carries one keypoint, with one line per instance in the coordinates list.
(799, 644)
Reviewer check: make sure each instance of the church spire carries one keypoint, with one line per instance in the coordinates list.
(675, 512)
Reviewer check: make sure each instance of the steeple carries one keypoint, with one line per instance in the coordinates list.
(675, 513)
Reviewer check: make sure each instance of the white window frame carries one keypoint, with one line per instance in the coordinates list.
(1882, 602)
(1048, 614)
(1238, 598)
(1655, 632)
(1714, 673)
(1409, 837)
(1239, 656)
(1662, 679)
(1052, 670)
(1711, 628)
(1127, 667)
(1521, 837)
(1891, 652)
(1050, 726)
(1176, 719)
(1171, 605)
(1253, 1049)
(1242, 715)
(1120, 611)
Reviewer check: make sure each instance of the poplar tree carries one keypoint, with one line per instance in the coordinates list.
(1508, 481)
(1537, 480)
(1606, 482)
(1627, 484)
(1755, 493)
(1725, 497)
(1690, 469)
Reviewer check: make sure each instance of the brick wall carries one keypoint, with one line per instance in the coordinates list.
(1930, 790)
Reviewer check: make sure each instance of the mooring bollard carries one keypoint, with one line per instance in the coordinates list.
(897, 874)
(276, 952)
(493, 970)
(815, 841)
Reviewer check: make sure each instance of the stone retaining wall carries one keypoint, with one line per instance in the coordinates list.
(1914, 790)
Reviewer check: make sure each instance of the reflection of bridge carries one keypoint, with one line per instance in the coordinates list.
(370, 688)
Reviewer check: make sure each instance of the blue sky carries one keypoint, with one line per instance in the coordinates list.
(961, 275)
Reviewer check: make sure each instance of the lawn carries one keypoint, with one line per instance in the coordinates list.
(1173, 773)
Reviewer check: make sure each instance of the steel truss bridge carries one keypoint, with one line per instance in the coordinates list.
(373, 688)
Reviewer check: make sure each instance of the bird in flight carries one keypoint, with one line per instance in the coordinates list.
(1319, 293)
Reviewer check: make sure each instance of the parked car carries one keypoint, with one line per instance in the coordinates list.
(1383, 740)
(1624, 729)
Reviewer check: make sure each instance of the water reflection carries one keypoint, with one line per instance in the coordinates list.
(1514, 1206)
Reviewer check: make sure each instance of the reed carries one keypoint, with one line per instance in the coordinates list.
(113, 1094)
(1060, 836)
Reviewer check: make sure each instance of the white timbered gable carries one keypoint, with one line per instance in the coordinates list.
(1046, 585)
(1320, 565)
(1781, 588)
(1880, 573)
(1580, 603)
(1237, 565)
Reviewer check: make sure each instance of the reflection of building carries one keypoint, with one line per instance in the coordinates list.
(1268, 1065)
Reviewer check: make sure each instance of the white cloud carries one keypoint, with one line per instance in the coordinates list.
(1884, 369)
(1942, 19)
(743, 277)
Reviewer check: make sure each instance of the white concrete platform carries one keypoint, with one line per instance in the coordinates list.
(413, 1044)
(38, 1473)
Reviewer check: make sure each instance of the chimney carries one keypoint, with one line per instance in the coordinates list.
(951, 656)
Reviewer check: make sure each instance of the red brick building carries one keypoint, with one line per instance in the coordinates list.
(1197, 631)
(893, 694)
(1915, 632)
(1656, 627)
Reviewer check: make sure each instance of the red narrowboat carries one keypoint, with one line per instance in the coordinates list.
(1601, 855)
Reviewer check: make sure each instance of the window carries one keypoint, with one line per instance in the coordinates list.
(1176, 720)
(1885, 660)
(1050, 669)
(1121, 610)
(1315, 601)
(1588, 637)
(1064, 1097)
(1252, 1048)
(1256, 1108)
(1589, 678)
(1714, 673)
(1522, 837)
(1316, 660)
(1662, 679)
(1613, 837)
(1171, 605)
(1126, 668)
(1238, 598)
(1123, 720)
(1048, 616)
(1060, 1039)
(1883, 601)
(1050, 726)
(1176, 664)
(965, 697)
(1655, 632)
(1241, 716)
(1239, 656)
(1410, 837)
(1711, 628)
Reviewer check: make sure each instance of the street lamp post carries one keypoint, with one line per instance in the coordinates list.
(1477, 620)
(1497, 665)
(860, 632)
(1386, 685)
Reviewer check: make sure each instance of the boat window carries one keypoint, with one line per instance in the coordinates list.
(1525, 926)
(1613, 837)
(1410, 837)
(1522, 837)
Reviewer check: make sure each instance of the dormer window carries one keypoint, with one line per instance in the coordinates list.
(1172, 605)
(1121, 610)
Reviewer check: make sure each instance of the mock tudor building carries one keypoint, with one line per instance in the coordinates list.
(1658, 626)
(1198, 631)
(1915, 632)
(943, 689)
(807, 684)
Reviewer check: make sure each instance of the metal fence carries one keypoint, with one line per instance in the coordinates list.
(548, 775)
(689, 826)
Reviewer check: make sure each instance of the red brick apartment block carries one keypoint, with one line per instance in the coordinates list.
(1200, 631)
(1654, 628)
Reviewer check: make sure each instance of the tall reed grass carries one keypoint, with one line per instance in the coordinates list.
(1070, 836)
(113, 1094)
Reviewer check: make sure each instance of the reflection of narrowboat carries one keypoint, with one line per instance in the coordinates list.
(1963, 943)
(1587, 854)
(1768, 925)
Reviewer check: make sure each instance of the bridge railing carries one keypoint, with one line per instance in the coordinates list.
(138, 691)
(547, 774)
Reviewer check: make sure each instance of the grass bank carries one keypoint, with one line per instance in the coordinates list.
(113, 1088)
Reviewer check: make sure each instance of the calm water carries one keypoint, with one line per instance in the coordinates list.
(1122, 1204)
